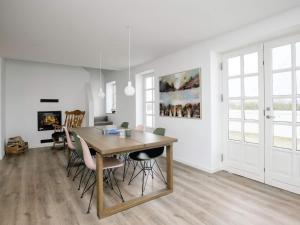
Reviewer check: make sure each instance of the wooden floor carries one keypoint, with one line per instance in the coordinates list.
(34, 190)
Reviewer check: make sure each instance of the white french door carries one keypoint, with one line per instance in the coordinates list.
(262, 116)
(282, 71)
(244, 119)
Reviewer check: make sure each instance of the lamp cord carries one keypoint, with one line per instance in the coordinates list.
(129, 51)
(100, 68)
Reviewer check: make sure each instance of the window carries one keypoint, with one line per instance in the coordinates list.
(149, 100)
(111, 97)
(243, 97)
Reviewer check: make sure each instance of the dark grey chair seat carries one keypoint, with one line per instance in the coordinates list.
(147, 154)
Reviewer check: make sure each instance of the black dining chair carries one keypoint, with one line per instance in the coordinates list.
(146, 161)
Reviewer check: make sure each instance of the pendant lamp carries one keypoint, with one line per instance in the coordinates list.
(129, 89)
(101, 93)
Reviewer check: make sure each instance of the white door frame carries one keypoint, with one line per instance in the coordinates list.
(283, 172)
(250, 160)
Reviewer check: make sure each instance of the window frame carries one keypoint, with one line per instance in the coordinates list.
(112, 96)
(145, 102)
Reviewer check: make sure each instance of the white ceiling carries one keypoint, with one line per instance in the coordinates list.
(72, 32)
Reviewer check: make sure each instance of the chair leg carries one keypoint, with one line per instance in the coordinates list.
(82, 178)
(77, 168)
(109, 172)
(151, 166)
(78, 171)
(117, 185)
(147, 174)
(132, 176)
(127, 162)
(164, 179)
(70, 159)
(85, 189)
(134, 168)
(91, 198)
(124, 167)
(74, 159)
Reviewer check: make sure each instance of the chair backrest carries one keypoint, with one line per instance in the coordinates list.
(74, 118)
(69, 141)
(159, 131)
(155, 152)
(88, 159)
(124, 125)
(140, 127)
(77, 144)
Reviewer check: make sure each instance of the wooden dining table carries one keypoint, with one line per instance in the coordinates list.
(109, 145)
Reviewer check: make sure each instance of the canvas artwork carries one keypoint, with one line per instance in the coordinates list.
(180, 94)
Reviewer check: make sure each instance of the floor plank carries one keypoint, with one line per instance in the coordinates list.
(34, 189)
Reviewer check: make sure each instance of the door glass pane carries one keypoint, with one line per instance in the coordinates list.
(251, 63)
(235, 109)
(149, 82)
(149, 96)
(251, 131)
(298, 81)
(282, 109)
(298, 138)
(282, 136)
(251, 109)
(298, 54)
(149, 108)
(234, 87)
(235, 130)
(281, 57)
(234, 66)
(251, 86)
(149, 120)
(282, 84)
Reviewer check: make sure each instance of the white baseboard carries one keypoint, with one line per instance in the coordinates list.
(196, 166)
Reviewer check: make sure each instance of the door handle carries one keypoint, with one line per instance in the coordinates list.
(269, 117)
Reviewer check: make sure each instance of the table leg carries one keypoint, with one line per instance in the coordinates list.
(104, 212)
(170, 167)
(99, 175)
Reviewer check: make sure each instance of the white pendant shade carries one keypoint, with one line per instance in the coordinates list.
(129, 89)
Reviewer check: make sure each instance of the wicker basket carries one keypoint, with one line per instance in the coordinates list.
(16, 145)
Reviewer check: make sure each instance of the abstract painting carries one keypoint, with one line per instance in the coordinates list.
(180, 94)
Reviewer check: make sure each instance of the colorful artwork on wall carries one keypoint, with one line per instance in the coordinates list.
(181, 94)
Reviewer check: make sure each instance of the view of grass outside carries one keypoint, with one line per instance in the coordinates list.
(278, 141)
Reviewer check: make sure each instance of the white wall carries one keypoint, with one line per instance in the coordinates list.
(28, 82)
(199, 141)
(2, 107)
(125, 105)
(190, 132)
